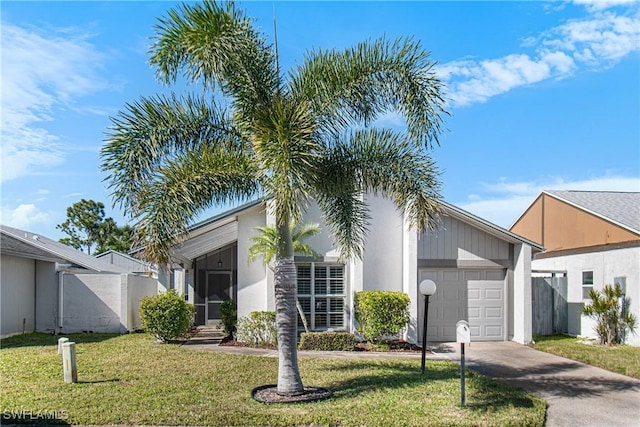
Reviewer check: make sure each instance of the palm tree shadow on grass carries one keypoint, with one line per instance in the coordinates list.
(484, 394)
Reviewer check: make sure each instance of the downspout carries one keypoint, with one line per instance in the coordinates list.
(60, 299)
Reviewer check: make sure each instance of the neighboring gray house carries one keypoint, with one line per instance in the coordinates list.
(482, 271)
(592, 238)
(46, 286)
(129, 263)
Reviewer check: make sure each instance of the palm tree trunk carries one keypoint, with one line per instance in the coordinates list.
(289, 381)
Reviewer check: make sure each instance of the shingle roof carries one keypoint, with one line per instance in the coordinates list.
(26, 244)
(622, 208)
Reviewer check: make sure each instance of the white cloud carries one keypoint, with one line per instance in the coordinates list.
(597, 5)
(24, 216)
(505, 200)
(598, 41)
(41, 72)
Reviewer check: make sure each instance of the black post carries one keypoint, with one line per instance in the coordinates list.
(462, 374)
(424, 331)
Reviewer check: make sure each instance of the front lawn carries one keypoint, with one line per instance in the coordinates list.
(622, 359)
(129, 379)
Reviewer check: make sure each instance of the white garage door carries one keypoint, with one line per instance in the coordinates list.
(469, 294)
(486, 310)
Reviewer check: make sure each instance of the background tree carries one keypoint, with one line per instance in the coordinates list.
(252, 131)
(265, 245)
(88, 229)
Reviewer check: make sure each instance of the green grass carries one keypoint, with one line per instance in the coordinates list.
(129, 379)
(622, 359)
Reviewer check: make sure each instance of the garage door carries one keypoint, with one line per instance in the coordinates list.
(470, 294)
(486, 310)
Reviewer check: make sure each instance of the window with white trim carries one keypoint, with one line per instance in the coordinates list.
(587, 283)
(322, 295)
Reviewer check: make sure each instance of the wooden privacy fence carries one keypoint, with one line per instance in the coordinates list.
(550, 308)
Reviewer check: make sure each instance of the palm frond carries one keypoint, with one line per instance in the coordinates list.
(184, 188)
(215, 43)
(375, 161)
(355, 86)
(151, 132)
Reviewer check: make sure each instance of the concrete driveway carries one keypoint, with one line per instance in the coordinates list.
(577, 394)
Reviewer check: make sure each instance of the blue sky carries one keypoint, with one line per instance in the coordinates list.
(542, 95)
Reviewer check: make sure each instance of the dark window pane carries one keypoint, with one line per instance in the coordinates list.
(321, 321)
(337, 320)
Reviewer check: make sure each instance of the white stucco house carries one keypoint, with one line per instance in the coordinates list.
(593, 239)
(46, 286)
(482, 272)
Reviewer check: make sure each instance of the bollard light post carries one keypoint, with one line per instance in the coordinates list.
(427, 288)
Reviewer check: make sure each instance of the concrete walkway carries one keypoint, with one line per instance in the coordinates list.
(577, 394)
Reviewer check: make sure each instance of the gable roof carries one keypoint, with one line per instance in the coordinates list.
(198, 236)
(621, 208)
(23, 243)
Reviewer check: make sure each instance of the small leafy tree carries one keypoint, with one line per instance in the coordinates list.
(166, 315)
(381, 313)
(610, 309)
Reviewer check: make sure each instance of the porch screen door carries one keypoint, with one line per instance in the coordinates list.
(218, 290)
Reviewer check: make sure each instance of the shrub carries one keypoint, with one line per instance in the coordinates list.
(381, 313)
(229, 317)
(327, 341)
(166, 315)
(610, 309)
(259, 328)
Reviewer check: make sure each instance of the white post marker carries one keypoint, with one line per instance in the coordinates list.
(69, 367)
(60, 342)
(463, 336)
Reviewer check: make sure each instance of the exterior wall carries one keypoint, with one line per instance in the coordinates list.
(382, 257)
(456, 240)
(606, 265)
(253, 292)
(103, 302)
(134, 288)
(91, 302)
(17, 292)
(523, 317)
(557, 225)
(529, 225)
(46, 297)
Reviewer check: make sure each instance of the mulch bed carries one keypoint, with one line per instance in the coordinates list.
(269, 394)
(397, 346)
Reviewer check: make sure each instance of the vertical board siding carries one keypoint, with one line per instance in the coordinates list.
(458, 240)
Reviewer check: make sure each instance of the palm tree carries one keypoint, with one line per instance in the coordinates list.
(265, 245)
(253, 131)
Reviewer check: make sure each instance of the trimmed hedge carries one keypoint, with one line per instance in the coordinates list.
(381, 314)
(166, 315)
(258, 329)
(229, 317)
(327, 341)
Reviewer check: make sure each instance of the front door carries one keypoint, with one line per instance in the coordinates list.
(218, 291)
(212, 290)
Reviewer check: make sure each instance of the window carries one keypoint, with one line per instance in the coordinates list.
(321, 292)
(587, 283)
(622, 282)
